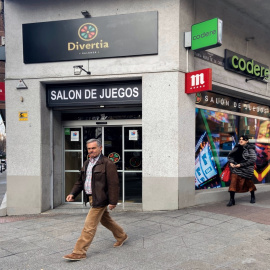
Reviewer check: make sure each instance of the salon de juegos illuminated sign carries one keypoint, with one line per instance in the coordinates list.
(96, 94)
(91, 38)
(245, 66)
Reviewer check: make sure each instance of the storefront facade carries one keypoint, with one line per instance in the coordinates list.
(134, 100)
(220, 120)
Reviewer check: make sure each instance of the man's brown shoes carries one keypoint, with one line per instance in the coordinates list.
(120, 243)
(78, 257)
(75, 257)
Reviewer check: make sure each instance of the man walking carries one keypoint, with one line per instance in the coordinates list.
(99, 181)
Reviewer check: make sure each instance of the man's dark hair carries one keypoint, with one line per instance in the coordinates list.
(245, 137)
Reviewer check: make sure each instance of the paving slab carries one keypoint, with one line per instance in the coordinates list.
(210, 236)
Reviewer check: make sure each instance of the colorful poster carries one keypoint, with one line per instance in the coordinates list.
(205, 167)
(217, 133)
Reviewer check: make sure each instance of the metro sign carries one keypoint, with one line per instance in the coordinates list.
(198, 81)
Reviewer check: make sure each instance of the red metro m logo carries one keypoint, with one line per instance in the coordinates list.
(197, 81)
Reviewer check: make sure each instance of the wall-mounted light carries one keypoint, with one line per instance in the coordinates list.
(86, 14)
(78, 70)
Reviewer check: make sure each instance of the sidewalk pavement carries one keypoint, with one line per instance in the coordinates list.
(210, 236)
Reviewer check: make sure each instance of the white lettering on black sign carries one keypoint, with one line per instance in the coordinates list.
(243, 107)
(98, 95)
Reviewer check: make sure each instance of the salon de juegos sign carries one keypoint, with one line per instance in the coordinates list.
(96, 94)
(91, 38)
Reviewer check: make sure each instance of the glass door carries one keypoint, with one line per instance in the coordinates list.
(72, 158)
(113, 149)
(122, 144)
(132, 173)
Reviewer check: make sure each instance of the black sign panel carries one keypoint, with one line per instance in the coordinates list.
(94, 94)
(210, 57)
(245, 66)
(90, 38)
(214, 100)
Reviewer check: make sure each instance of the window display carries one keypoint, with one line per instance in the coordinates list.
(217, 132)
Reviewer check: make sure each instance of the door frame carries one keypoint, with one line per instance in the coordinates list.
(96, 123)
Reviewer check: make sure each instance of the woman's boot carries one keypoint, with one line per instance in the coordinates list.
(252, 199)
(231, 201)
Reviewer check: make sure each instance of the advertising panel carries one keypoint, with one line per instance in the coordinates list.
(90, 38)
(197, 81)
(245, 66)
(205, 167)
(214, 100)
(129, 92)
(218, 131)
(206, 35)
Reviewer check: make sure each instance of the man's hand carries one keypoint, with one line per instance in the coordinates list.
(111, 207)
(70, 198)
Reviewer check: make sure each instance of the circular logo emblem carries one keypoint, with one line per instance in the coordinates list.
(135, 162)
(88, 31)
(114, 157)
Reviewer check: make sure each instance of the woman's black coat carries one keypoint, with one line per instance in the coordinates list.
(246, 169)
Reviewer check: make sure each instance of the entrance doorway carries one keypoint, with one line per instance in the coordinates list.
(122, 143)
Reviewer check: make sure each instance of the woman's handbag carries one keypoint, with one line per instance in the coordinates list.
(226, 174)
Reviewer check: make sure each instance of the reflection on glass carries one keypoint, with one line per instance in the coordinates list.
(262, 144)
(72, 138)
(70, 179)
(216, 135)
(133, 161)
(113, 145)
(133, 138)
(73, 160)
(120, 176)
(133, 187)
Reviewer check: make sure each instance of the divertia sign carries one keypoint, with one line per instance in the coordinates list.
(92, 38)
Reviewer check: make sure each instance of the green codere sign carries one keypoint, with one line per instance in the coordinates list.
(245, 66)
(206, 35)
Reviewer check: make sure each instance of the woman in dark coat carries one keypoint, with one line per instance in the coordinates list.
(242, 159)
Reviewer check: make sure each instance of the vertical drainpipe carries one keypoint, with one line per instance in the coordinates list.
(187, 50)
(51, 157)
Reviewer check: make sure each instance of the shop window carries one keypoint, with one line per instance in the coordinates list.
(217, 132)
